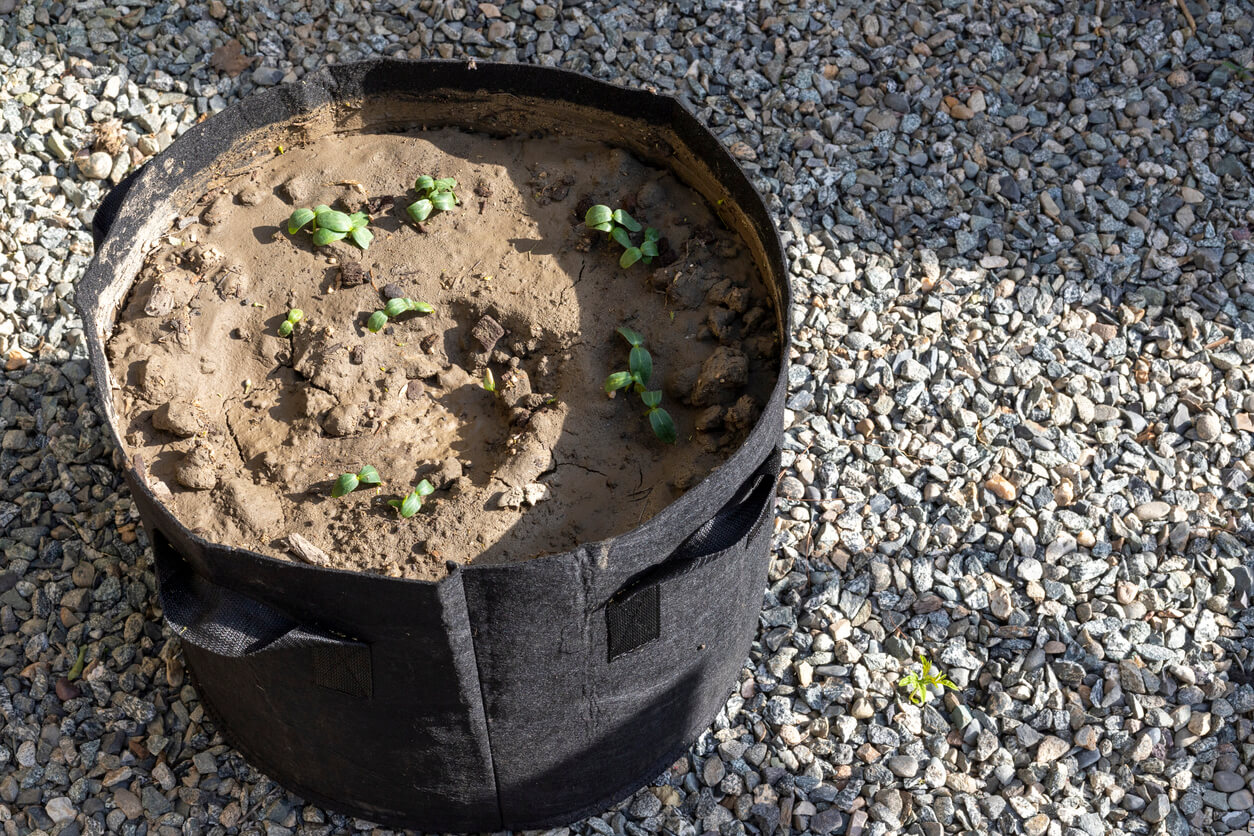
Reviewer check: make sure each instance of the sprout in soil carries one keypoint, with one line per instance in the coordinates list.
(489, 382)
(918, 683)
(348, 482)
(640, 363)
(619, 225)
(412, 503)
(433, 196)
(294, 316)
(395, 307)
(328, 225)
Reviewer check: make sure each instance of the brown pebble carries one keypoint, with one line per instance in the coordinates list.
(66, 690)
(1002, 486)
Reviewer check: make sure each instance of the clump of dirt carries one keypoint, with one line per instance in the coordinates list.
(243, 432)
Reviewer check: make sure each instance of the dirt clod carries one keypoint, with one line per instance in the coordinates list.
(250, 194)
(218, 211)
(177, 417)
(352, 274)
(342, 420)
(722, 374)
(486, 332)
(197, 470)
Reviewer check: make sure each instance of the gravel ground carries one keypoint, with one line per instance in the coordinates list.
(1021, 419)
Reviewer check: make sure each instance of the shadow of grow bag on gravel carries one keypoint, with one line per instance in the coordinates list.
(516, 696)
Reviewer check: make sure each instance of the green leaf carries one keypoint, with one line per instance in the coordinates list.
(396, 307)
(325, 236)
(621, 216)
(424, 488)
(369, 475)
(652, 399)
(412, 505)
(77, 670)
(321, 209)
(445, 184)
(359, 219)
(361, 236)
(295, 315)
(377, 320)
(420, 210)
(424, 184)
(663, 426)
(298, 220)
(649, 248)
(599, 217)
(629, 257)
(489, 382)
(616, 381)
(347, 483)
(443, 201)
(641, 364)
(633, 337)
(421, 307)
(335, 221)
(652, 234)
(605, 227)
(285, 329)
(620, 235)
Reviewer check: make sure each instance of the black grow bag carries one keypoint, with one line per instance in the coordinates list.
(515, 696)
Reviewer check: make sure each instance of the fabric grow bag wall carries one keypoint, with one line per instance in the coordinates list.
(513, 696)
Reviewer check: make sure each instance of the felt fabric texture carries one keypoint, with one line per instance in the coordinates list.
(501, 697)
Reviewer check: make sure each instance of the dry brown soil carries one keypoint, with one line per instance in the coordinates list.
(243, 432)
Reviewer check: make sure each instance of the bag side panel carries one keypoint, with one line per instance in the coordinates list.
(572, 730)
(288, 711)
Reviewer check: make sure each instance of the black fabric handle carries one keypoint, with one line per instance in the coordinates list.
(226, 623)
(107, 211)
(734, 522)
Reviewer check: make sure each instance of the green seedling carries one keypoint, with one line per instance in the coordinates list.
(327, 225)
(918, 683)
(434, 195)
(489, 382)
(1236, 69)
(77, 670)
(619, 225)
(395, 307)
(294, 316)
(412, 503)
(640, 365)
(348, 482)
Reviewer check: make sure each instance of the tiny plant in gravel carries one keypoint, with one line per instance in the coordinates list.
(395, 307)
(348, 482)
(434, 195)
(640, 365)
(917, 683)
(489, 382)
(328, 225)
(412, 503)
(619, 225)
(294, 316)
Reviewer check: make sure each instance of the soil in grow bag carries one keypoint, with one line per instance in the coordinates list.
(244, 431)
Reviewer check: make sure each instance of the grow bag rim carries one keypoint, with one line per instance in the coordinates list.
(615, 99)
